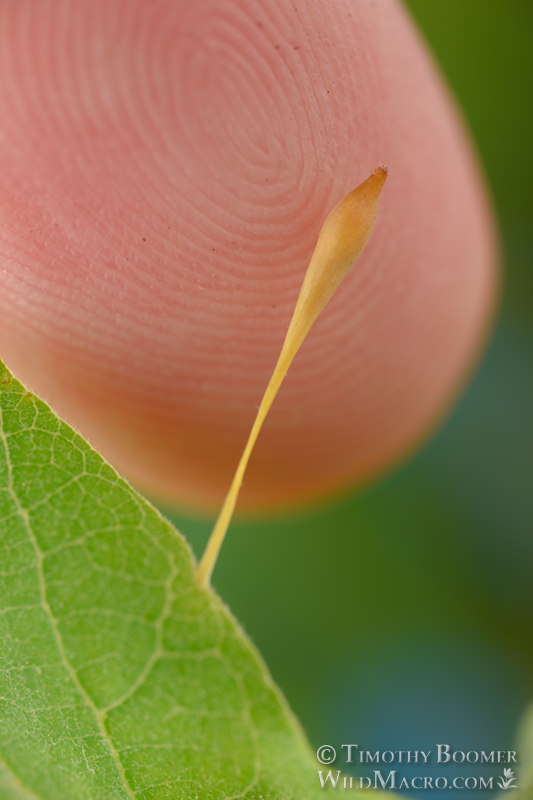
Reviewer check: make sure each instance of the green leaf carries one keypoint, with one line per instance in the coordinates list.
(119, 677)
(525, 757)
(525, 760)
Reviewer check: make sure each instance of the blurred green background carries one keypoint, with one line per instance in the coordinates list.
(403, 616)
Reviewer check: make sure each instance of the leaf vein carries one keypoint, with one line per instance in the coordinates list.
(39, 557)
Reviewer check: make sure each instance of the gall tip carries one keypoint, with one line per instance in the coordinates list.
(379, 175)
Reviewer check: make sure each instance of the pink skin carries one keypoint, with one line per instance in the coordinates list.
(166, 168)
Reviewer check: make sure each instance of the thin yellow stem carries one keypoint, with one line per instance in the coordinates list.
(208, 560)
(343, 236)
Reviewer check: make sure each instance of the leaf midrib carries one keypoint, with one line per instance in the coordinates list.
(100, 717)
